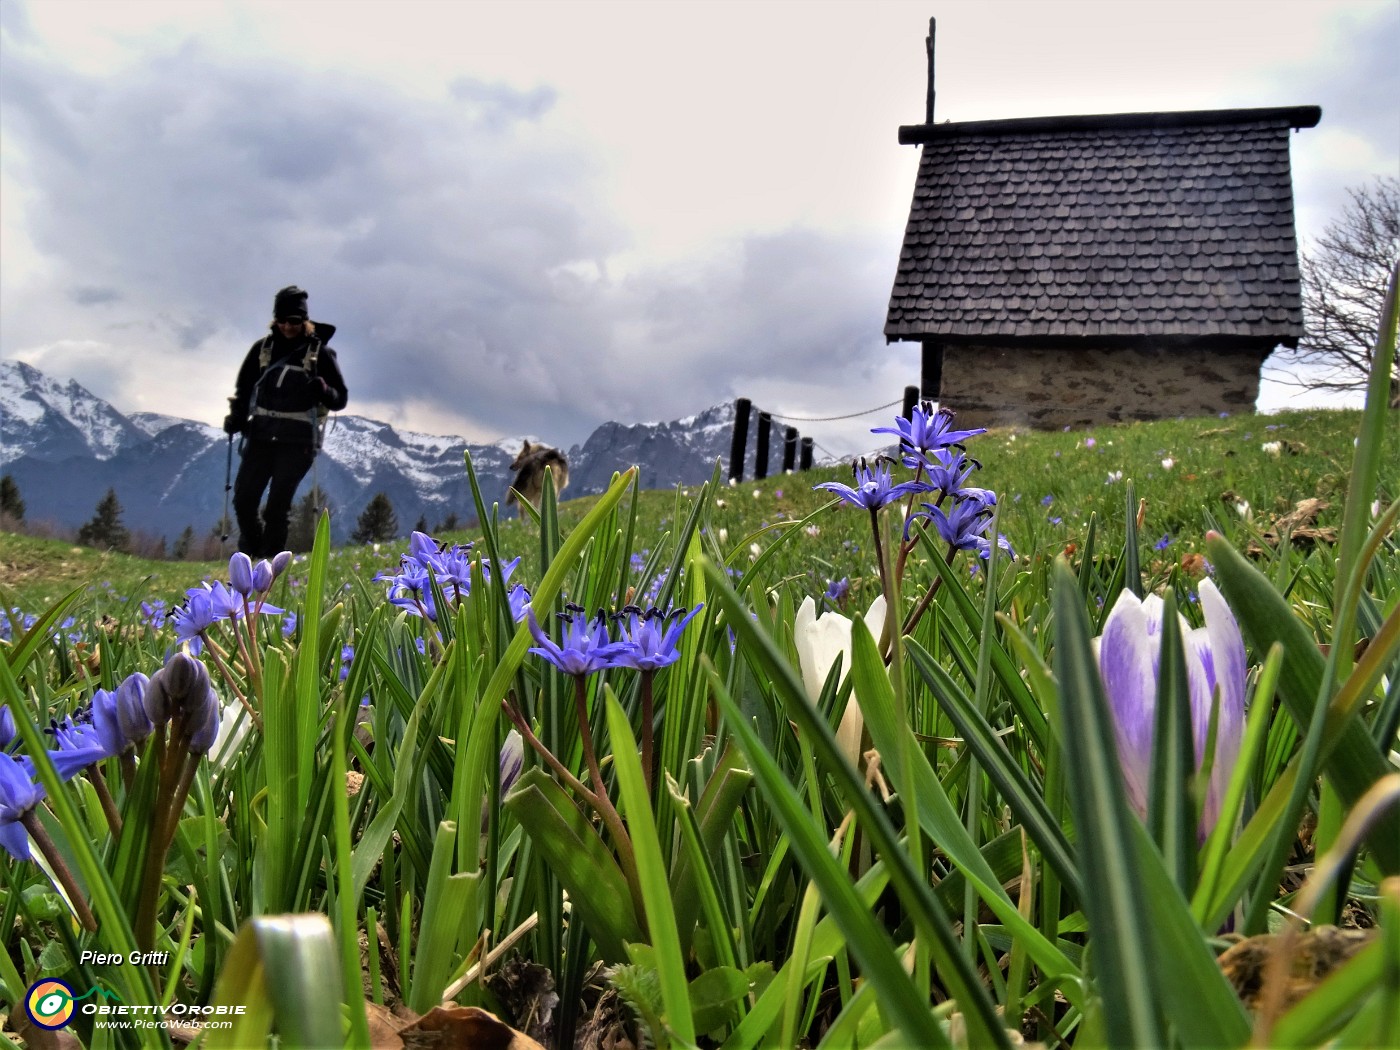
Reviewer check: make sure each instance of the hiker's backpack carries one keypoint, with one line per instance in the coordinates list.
(287, 382)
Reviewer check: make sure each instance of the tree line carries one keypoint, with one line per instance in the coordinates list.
(105, 530)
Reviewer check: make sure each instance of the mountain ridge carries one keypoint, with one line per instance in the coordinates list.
(65, 447)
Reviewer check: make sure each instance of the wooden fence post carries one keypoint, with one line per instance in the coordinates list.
(911, 398)
(740, 441)
(789, 449)
(760, 458)
(806, 458)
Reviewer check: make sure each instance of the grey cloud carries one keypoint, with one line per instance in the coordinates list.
(498, 107)
(91, 296)
(441, 237)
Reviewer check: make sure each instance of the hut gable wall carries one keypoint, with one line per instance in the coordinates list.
(1051, 387)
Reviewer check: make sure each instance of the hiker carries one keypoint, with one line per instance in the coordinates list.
(288, 383)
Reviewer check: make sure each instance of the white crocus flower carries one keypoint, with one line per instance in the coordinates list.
(234, 722)
(820, 640)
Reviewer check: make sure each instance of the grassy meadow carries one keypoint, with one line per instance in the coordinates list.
(754, 827)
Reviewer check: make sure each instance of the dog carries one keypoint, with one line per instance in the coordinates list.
(529, 467)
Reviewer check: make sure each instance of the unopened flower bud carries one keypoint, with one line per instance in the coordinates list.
(157, 699)
(262, 576)
(240, 573)
(184, 675)
(132, 714)
(202, 720)
(280, 563)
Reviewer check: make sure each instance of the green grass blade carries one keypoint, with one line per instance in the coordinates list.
(934, 809)
(1366, 463)
(1199, 1002)
(1013, 784)
(283, 969)
(1350, 758)
(1132, 569)
(1171, 813)
(907, 1007)
(827, 940)
(18, 656)
(375, 838)
(929, 919)
(651, 873)
(579, 859)
(448, 916)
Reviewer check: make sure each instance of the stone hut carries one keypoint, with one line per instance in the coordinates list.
(1063, 271)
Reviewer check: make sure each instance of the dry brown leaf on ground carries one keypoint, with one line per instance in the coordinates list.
(443, 1028)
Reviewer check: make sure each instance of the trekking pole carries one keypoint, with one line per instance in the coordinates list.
(228, 487)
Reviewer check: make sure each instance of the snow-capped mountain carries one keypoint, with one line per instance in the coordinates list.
(65, 447)
(40, 416)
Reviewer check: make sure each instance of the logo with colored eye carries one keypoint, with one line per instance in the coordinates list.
(49, 1004)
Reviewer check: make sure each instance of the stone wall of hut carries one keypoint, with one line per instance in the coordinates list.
(1051, 388)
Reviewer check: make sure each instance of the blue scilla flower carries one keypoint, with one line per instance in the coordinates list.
(79, 744)
(838, 589)
(874, 486)
(203, 607)
(961, 527)
(489, 574)
(649, 638)
(924, 431)
(949, 468)
(519, 599)
(7, 727)
(18, 795)
(585, 648)
(120, 716)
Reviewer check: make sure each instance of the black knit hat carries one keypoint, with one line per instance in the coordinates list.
(290, 304)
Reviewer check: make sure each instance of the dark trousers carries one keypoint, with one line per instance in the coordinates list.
(278, 468)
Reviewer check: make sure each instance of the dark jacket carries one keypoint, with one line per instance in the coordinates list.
(284, 385)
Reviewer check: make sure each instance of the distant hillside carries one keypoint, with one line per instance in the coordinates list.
(65, 447)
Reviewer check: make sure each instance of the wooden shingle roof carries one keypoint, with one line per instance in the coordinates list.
(1116, 226)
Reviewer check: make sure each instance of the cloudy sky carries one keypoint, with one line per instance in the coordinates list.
(531, 217)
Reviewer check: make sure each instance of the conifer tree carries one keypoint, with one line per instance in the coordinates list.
(301, 531)
(105, 529)
(448, 523)
(11, 506)
(184, 543)
(377, 522)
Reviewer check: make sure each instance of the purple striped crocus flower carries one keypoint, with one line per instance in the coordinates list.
(1129, 656)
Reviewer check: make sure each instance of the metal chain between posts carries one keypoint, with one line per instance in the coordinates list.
(833, 419)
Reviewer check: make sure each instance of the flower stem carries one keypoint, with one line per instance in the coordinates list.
(560, 770)
(606, 810)
(104, 796)
(648, 717)
(46, 846)
(924, 602)
(880, 553)
(220, 662)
